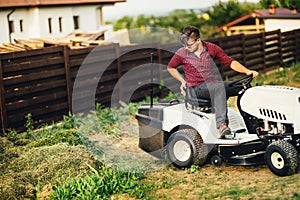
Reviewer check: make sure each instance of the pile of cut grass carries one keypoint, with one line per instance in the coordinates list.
(35, 160)
(52, 162)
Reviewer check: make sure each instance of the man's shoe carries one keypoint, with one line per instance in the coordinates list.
(224, 130)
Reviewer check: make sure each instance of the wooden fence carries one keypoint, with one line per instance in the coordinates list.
(43, 81)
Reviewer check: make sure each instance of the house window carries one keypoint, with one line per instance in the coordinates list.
(50, 25)
(21, 25)
(76, 22)
(11, 26)
(60, 24)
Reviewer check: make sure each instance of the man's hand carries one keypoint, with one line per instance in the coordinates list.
(183, 88)
(254, 73)
(177, 76)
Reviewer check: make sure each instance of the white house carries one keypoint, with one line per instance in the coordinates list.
(24, 19)
(263, 20)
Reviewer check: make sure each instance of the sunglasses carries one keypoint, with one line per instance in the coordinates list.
(184, 40)
(190, 45)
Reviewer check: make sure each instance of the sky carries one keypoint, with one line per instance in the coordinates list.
(156, 7)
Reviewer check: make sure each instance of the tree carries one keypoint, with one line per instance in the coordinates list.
(124, 22)
(280, 3)
(222, 13)
(205, 19)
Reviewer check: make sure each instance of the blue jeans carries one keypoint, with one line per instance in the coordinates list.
(217, 94)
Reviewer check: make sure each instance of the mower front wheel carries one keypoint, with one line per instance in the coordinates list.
(186, 148)
(282, 158)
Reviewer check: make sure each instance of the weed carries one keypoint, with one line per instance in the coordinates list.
(63, 132)
(29, 127)
(193, 169)
(102, 184)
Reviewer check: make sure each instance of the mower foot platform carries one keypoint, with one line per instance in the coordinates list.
(251, 159)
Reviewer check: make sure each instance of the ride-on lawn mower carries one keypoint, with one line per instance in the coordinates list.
(265, 130)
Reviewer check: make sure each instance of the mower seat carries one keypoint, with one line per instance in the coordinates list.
(202, 99)
(195, 100)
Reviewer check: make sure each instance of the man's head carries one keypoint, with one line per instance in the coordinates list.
(189, 33)
(190, 37)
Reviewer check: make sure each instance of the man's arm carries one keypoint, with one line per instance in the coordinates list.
(236, 66)
(174, 72)
(230, 62)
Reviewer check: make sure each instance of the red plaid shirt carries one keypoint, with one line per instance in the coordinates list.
(201, 69)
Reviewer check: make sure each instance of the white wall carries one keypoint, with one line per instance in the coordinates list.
(283, 24)
(35, 21)
(4, 36)
(88, 20)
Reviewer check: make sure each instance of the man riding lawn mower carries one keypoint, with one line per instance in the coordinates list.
(266, 129)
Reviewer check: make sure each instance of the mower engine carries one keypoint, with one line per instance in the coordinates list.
(277, 108)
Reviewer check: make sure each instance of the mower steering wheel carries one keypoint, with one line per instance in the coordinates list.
(242, 82)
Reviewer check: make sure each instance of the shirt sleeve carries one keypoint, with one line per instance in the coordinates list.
(175, 61)
(222, 56)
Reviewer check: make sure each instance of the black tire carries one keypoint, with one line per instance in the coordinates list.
(186, 148)
(216, 160)
(282, 158)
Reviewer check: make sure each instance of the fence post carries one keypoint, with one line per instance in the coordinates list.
(297, 44)
(263, 39)
(68, 76)
(160, 69)
(119, 70)
(244, 50)
(280, 47)
(2, 101)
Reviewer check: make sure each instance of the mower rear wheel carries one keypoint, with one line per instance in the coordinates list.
(282, 158)
(186, 148)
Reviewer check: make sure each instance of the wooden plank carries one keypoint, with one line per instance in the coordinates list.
(35, 100)
(92, 70)
(34, 52)
(80, 51)
(39, 111)
(105, 88)
(91, 82)
(13, 67)
(18, 78)
(252, 42)
(141, 54)
(13, 91)
(254, 49)
(92, 59)
(250, 56)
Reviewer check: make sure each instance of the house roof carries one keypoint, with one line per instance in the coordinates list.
(280, 13)
(34, 3)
